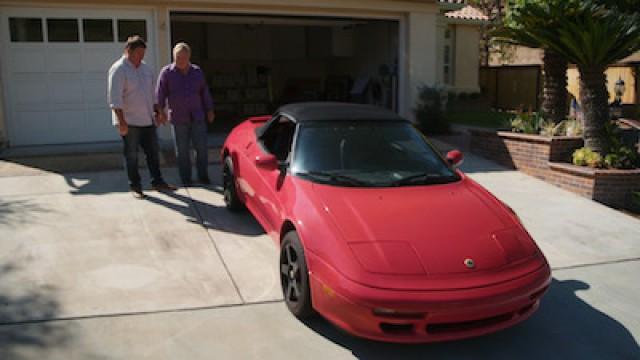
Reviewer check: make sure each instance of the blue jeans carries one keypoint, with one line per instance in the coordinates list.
(194, 132)
(146, 138)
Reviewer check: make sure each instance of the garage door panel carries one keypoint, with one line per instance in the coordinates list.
(67, 107)
(27, 60)
(100, 60)
(67, 125)
(29, 90)
(64, 60)
(66, 88)
(100, 126)
(95, 91)
(30, 128)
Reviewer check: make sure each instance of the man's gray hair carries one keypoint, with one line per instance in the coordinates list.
(181, 46)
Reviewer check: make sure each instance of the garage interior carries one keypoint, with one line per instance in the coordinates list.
(254, 64)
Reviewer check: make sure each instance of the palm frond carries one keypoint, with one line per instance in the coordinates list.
(589, 32)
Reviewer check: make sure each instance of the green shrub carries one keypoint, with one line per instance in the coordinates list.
(452, 96)
(621, 158)
(568, 127)
(549, 128)
(587, 157)
(526, 122)
(573, 127)
(429, 111)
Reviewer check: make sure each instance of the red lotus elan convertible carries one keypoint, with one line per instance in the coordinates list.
(378, 232)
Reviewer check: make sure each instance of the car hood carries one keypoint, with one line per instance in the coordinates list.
(436, 230)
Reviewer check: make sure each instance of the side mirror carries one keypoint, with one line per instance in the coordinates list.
(455, 158)
(267, 161)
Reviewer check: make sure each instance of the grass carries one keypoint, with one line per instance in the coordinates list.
(482, 118)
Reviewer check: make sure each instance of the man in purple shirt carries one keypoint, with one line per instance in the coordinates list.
(182, 88)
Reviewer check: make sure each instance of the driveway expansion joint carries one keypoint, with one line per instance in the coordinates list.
(139, 313)
(224, 264)
(610, 262)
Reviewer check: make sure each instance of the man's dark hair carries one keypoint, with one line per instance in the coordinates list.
(135, 42)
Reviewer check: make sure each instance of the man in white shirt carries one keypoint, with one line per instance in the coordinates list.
(130, 96)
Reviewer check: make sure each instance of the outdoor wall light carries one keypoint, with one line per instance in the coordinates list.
(619, 90)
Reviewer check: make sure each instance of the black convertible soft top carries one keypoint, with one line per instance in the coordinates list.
(334, 111)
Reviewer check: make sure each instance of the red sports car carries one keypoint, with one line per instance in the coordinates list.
(378, 232)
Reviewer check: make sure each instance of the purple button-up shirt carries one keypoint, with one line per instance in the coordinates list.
(187, 94)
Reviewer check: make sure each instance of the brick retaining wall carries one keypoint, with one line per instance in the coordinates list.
(549, 159)
(528, 153)
(610, 187)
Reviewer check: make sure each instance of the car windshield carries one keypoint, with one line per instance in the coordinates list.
(367, 154)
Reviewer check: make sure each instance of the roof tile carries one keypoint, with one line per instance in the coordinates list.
(467, 13)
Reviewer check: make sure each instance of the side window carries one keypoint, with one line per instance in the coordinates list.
(279, 138)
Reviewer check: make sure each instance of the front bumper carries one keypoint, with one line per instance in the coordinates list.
(425, 316)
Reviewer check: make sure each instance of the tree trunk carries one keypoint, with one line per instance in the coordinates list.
(594, 100)
(554, 103)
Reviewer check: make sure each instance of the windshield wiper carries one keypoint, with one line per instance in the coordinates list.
(422, 178)
(336, 177)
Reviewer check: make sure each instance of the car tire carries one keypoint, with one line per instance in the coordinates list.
(294, 277)
(230, 192)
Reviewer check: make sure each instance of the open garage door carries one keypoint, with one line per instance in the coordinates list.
(256, 63)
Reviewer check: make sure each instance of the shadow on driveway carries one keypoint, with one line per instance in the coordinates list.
(211, 216)
(24, 305)
(15, 213)
(195, 211)
(565, 327)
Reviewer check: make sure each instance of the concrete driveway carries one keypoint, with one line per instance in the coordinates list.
(88, 272)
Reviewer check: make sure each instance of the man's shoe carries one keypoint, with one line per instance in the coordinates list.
(137, 193)
(205, 181)
(164, 187)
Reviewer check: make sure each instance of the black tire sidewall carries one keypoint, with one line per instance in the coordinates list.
(234, 203)
(303, 308)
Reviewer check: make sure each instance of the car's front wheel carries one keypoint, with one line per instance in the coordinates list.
(294, 277)
(231, 199)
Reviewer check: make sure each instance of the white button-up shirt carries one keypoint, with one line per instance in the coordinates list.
(131, 89)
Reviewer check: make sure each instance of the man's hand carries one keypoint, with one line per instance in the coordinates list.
(211, 116)
(123, 128)
(161, 118)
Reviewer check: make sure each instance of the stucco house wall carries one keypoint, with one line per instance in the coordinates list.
(418, 34)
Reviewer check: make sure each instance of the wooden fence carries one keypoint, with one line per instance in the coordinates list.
(512, 87)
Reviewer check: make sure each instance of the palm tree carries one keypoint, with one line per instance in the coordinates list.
(593, 35)
(517, 29)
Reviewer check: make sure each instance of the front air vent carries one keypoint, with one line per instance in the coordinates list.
(457, 327)
(396, 329)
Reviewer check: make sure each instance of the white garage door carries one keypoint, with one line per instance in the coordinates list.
(55, 64)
